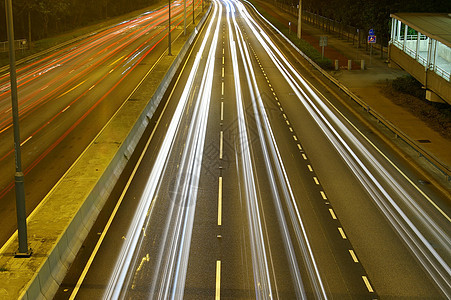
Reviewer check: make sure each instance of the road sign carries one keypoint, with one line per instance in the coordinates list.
(371, 39)
(323, 40)
(371, 32)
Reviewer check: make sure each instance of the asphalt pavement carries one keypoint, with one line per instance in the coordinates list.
(257, 182)
(66, 98)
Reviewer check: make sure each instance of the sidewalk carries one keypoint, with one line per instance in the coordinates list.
(368, 84)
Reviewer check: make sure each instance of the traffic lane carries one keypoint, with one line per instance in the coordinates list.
(51, 82)
(60, 106)
(278, 260)
(39, 63)
(87, 61)
(397, 195)
(273, 255)
(169, 223)
(331, 252)
(61, 101)
(110, 248)
(368, 230)
(64, 153)
(219, 253)
(37, 135)
(99, 274)
(59, 59)
(206, 238)
(284, 267)
(341, 275)
(382, 254)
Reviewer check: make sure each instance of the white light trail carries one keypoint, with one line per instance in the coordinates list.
(176, 270)
(282, 178)
(433, 262)
(262, 280)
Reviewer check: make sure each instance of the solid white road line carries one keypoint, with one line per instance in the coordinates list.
(218, 280)
(354, 257)
(367, 283)
(220, 202)
(332, 214)
(316, 181)
(342, 233)
(221, 143)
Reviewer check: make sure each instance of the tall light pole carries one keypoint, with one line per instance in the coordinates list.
(169, 34)
(23, 250)
(300, 20)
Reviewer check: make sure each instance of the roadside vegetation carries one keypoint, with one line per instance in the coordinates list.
(304, 46)
(407, 92)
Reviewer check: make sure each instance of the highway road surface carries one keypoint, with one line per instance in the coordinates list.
(256, 183)
(66, 98)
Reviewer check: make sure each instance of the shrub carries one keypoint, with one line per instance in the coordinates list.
(408, 85)
(407, 92)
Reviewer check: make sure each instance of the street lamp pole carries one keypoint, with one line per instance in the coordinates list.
(193, 11)
(300, 20)
(23, 250)
(169, 34)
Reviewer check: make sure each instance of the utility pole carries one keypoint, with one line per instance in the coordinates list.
(23, 250)
(169, 34)
(300, 20)
(193, 12)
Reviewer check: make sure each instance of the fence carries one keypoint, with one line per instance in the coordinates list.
(352, 34)
(18, 44)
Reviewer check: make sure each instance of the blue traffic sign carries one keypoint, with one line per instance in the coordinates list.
(371, 39)
(371, 32)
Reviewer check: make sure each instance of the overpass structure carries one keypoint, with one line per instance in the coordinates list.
(420, 43)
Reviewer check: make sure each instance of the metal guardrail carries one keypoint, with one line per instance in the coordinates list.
(441, 72)
(380, 119)
(410, 52)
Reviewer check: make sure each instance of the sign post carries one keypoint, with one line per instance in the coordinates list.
(371, 41)
(322, 44)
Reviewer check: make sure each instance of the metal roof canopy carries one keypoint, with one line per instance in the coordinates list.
(434, 25)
